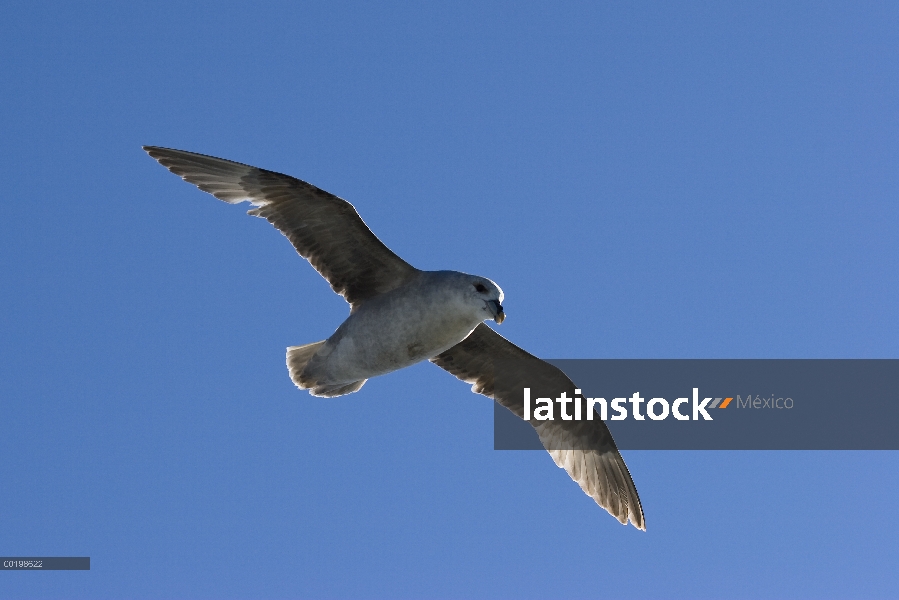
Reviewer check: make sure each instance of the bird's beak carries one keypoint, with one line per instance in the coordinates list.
(497, 309)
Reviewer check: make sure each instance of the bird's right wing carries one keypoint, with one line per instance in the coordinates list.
(324, 229)
(585, 449)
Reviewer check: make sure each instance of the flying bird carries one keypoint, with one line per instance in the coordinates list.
(400, 315)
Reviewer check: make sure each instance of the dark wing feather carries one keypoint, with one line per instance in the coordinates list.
(324, 229)
(585, 449)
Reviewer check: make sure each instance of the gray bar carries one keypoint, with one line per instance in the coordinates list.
(775, 404)
(45, 563)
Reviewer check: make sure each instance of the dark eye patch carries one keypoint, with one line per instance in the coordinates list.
(480, 287)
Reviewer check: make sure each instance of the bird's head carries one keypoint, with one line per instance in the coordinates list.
(489, 296)
(472, 298)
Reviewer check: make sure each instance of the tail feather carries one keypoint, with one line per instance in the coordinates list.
(297, 359)
(336, 389)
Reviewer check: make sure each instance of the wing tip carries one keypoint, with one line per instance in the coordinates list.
(634, 518)
(638, 523)
(159, 154)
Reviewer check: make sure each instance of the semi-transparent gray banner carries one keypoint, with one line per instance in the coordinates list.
(728, 404)
(45, 563)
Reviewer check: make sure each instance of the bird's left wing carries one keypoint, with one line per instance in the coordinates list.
(585, 449)
(325, 230)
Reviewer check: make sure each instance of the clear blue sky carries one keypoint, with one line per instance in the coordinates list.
(666, 180)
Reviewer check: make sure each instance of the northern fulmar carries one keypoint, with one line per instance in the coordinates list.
(400, 315)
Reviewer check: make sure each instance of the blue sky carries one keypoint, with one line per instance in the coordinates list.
(644, 180)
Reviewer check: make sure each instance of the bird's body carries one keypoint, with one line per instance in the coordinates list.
(401, 315)
(430, 313)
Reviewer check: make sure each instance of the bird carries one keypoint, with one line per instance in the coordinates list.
(400, 315)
